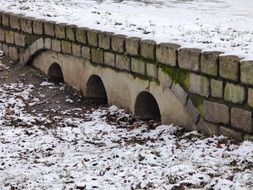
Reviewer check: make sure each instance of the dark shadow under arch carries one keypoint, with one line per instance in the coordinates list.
(95, 90)
(146, 107)
(55, 73)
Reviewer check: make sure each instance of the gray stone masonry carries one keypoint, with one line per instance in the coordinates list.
(104, 39)
(9, 37)
(230, 133)
(189, 58)
(216, 113)
(208, 128)
(5, 19)
(81, 35)
(234, 93)
(148, 49)
(229, 67)
(193, 112)
(109, 59)
(92, 36)
(209, 62)
(97, 55)
(2, 35)
(26, 25)
(122, 62)
(76, 50)
(138, 66)
(70, 32)
(241, 119)
(86, 53)
(250, 97)
(118, 43)
(60, 30)
(164, 79)
(133, 46)
(15, 22)
(56, 45)
(216, 88)
(166, 53)
(247, 72)
(13, 53)
(49, 28)
(37, 26)
(48, 43)
(66, 47)
(152, 70)
(179, 92)
(199, 85)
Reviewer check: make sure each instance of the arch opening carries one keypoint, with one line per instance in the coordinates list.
(95, 90)
(146, 107)
(55, 73)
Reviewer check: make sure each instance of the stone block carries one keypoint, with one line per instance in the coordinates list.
(13, 53)
(109, 59)
(164, 79)
(70, 33)
(216, 112)
(48, 43)
(247, 72)
(132, 45)
(9, 37)
(148, 49)
(76, 49)
(49, 28)
(97, 55)
(138, 66)
(189, 58)
(217, 88)
(5, 50)
(118, 43)
(15, 22)
(26, 24)
(86, 53)
(241, 119)
(19, 39)
(5, 19)
(104, 39)
(92, 36)
(56, 45)
(250, 97)
(81, 35)
(37, 26)
(229, 67)
(2, 35)
(60, 30)
(40, 43)
(209, 62)
(33, 49)
(179, 92)
(199, 85)
(231, 133)
(122, 62)
(207, 128)
(66, 47)
(166, 53)
(152, 70)
(234, 93)
(193, 112)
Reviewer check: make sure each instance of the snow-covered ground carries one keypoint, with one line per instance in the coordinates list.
(48, 144)
(224, 25)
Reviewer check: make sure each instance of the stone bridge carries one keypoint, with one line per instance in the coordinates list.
(205, 91)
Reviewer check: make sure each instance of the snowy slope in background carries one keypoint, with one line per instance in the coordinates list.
(224, 25)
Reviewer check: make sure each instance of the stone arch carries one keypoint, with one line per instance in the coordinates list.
(55, 73)
(95, 89)
(146, 107)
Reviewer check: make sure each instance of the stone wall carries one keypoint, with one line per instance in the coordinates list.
(216, 89)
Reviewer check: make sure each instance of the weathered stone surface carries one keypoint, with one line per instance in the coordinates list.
(104, 39)
(230, 133)
(247, 72)
(192, 110)
(40, 43)
(33, 48)
(199, 85)
(66, 47)
(148, 49)
(216, 113)
(76, 50)
(164, 79)
(209, 62)
(166, 53)
(241, 119)
(179, 92)
(97, 55)
(123, 62)
(118, 43)
(60, 30)
(26, 24)
(248, 138)
(15, 22)
(138, 66)
(207, 128)
(37, 26)
(49, 28)
(13, 53)
(132, 46)
(92, 36)
(56, 45)
(70, 32)
(217, 88)
(19, 39)
(152, 70)
(86, 53)
(189, 58)
(2, 35)
(250, 97)
(229, 67)
(81, 35)
(5, 19)
(48, 43)
(6, 50)
(234, 93)
(109, 59)
(9, 37)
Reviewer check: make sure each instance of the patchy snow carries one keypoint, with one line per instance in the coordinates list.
(223, 25)
(101, 149)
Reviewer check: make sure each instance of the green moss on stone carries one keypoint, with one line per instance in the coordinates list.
(198, 102)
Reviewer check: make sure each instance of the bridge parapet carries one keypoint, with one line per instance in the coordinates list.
(216, 89)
